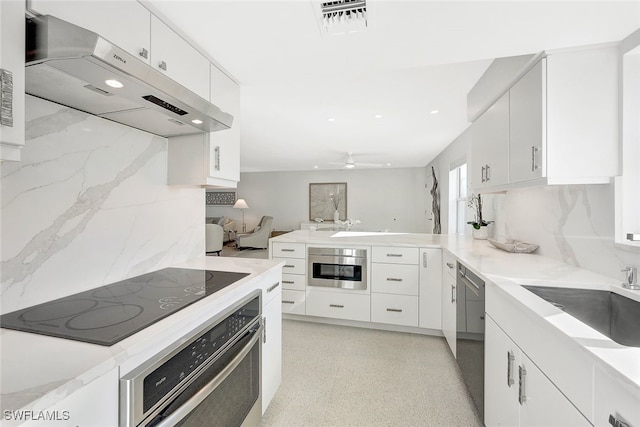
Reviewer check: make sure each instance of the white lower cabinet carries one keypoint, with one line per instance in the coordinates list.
(615, 399)
(394, 309)
(430, 272)
(293, 302)
(517, 393)
(271, 337)
(347, 306)
(93, 405)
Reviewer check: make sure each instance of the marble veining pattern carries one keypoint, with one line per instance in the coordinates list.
(89, 205)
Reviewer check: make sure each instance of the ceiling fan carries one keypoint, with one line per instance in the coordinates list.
(350, 163)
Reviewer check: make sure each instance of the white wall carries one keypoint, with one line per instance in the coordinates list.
(89, 205)
(394, 199)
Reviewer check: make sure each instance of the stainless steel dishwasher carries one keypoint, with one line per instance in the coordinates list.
(470, 333)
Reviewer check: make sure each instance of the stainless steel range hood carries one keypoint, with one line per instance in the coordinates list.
(70, 65)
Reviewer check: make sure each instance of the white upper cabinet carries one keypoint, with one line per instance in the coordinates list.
(124, 23)
(172, 55)
(12, 126)
(490, 146)
(561, 124)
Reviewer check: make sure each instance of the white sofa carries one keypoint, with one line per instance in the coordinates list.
(226, 223)
(213, 238)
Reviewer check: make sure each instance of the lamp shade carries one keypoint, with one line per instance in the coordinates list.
(241, 204)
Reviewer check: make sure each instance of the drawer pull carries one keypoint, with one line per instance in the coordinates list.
(395, 310)
(336, 305)
(395, 255)
(289, 266)
(393, 279)
(288, 302)
(273, 287)
(450, 265)
(616, 422)
(510, 359)
(288, 282)
(522, 393)
(287, 250)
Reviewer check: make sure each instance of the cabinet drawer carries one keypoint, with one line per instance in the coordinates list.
(449, 263)
(394, 309)
(294, 281)
(394, 279)
(293, 265)
(395, 255)
(339, 305)
(288, 250)
(293, 302)
(271, 286)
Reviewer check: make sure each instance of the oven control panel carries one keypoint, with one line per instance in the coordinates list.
(197, 353)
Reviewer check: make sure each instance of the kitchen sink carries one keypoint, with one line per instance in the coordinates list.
(613, 315)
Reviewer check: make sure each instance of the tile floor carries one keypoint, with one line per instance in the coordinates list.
(343, 376)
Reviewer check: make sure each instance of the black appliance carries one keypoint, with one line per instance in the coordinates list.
(470, 312)
(110, 313)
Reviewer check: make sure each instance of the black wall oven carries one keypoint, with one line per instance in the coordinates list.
(211, 379)
(337, 268)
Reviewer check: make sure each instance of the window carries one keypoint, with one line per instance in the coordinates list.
(457, 198)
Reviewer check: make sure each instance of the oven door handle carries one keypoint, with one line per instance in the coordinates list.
(205, 391)
(470, 285)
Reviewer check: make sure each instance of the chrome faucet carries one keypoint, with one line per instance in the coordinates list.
(632, 278)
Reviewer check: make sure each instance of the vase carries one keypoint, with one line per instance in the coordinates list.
(482, 233)
(336, 216)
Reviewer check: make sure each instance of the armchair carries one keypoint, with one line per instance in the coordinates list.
(213, 238)
(259, 237)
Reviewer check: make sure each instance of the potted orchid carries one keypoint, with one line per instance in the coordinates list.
(479, 224)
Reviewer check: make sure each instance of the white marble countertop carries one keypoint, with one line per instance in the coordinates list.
(508, 271)
(39, 371)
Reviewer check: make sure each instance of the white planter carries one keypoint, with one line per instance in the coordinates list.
(336, 216)
(482, 233)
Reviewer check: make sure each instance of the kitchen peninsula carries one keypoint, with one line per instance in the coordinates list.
(597, 376)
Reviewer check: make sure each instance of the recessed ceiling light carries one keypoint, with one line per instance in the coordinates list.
(388, 164)
(315, 167)
(378, 116)
(434, 111)
(114, 83)
(196, 121)
(331, 119)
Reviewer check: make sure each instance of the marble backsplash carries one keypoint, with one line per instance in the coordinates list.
(571, 223)
(89, 205)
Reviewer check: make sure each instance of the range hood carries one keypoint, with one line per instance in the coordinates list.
(71, 66)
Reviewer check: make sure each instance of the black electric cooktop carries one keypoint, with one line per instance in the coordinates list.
(111, 313)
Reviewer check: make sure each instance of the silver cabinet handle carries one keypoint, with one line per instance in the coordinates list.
(162, 65)
(424, 259)
(534, 150)
(287, 250)
(288, 302)
(273, 287)
(522, 393)
(393, 279)
(216, 160)
(264, 329)
(6, 95)
(395, 310)
(144, 53)
(634, 237)
(482, 178)
(510, 359)
(394, 255)
(450, 265)
(336, 305)
(488, 175)
(288, 266)
(617, 423)
(288, 282)
(453, 294)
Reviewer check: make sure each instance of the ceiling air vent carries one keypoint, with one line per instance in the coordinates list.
(343, 16)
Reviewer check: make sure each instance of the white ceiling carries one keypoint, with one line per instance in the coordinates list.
(416, 56)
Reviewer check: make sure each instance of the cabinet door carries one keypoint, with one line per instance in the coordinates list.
(225, 144)
(124, 23)
(527, 125)
(172, 55)
(12, 22)
(501, 359)
(271, 350)
(490, 146)
(430, 288)
(449, 311)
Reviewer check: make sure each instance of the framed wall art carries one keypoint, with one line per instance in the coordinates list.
(328, 201)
